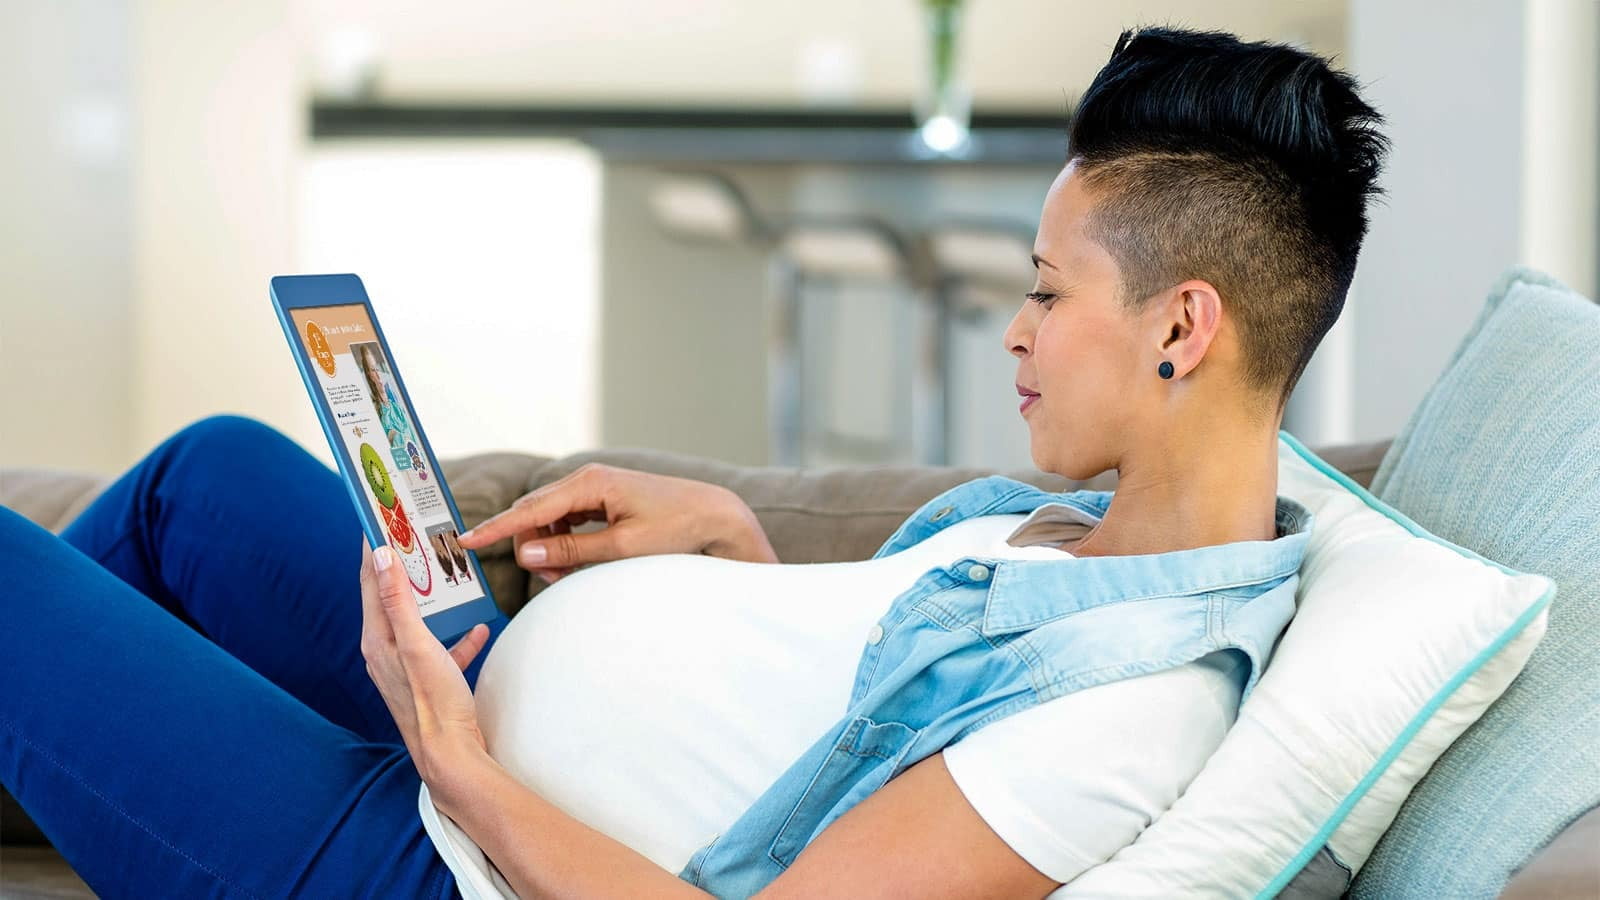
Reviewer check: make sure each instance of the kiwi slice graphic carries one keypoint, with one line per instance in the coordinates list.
(377, 476)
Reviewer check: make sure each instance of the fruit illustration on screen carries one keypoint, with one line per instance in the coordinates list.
(377, 476)
(402, 536)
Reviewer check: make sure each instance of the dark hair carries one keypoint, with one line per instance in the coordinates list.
(1248, 165)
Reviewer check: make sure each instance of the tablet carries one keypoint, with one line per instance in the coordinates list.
(388, 465)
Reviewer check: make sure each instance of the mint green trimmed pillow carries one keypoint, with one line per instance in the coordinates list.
(1400, 640)
(1503, 457)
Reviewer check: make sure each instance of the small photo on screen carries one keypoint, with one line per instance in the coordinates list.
(392, 414)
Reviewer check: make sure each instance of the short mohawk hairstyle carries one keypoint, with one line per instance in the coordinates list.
(1248, 165)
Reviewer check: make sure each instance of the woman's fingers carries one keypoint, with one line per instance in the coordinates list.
(567, 549)
(531, 537)
(534, 537)
(375, 630)
(580, 493)
(551, 575)
(537, 543)
(642, 513)
(399, 604)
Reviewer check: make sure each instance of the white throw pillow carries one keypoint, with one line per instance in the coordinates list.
(1401, 641)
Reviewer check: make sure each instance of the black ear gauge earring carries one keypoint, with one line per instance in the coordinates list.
(1166, 368)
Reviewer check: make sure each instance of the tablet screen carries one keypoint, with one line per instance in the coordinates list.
(380, 436)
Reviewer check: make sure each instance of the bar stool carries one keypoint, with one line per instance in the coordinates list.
(977, 267)
(708, 207)
(845, 255)
(807, 254)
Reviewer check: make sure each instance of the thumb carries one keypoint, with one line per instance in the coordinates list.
(466, 649)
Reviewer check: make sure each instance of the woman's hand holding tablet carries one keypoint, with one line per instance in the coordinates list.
(421, 682)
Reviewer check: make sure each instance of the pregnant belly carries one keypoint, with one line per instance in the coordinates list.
(656, 698)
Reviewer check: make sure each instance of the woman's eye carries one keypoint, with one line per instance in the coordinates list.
(1039, 297)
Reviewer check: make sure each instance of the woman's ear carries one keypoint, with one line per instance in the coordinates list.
(1189, 324)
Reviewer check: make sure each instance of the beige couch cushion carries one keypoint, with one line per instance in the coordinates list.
(810, 515)
(50, 497)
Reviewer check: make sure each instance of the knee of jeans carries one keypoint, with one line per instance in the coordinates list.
(227, 437)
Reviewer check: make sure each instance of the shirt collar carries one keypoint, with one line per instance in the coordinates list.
(1051, 525)
(1026, 593)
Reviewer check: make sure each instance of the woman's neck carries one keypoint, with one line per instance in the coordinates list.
(1192, 490)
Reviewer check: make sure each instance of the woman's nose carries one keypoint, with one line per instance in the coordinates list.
(1017, 337)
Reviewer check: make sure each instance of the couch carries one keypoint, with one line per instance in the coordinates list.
(810, 515)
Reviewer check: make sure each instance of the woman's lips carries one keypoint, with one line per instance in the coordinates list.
(1027, 398)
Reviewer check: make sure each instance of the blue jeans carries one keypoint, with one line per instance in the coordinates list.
(184, 708)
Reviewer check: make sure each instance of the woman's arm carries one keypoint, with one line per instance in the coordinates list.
(541, 850)
(915, 837)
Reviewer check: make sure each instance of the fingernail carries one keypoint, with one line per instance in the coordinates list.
(467, 533)
(532, 554)
(383, 557)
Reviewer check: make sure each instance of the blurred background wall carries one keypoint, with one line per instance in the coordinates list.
(66, 235)
(1493, 119)
(163, 158)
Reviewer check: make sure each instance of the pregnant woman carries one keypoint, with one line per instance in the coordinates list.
(212, 687)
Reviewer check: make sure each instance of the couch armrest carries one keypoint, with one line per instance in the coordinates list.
(1567, 867)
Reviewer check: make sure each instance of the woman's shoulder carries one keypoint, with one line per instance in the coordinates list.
(1117, 754)
(1178, 698)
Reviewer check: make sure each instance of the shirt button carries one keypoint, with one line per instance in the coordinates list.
(875, 635)
(978, 573)
(942, 513)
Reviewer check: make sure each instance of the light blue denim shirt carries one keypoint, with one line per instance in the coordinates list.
(982, 638)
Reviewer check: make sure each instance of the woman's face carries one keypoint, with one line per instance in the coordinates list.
(1092, 365)
(373, 378)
